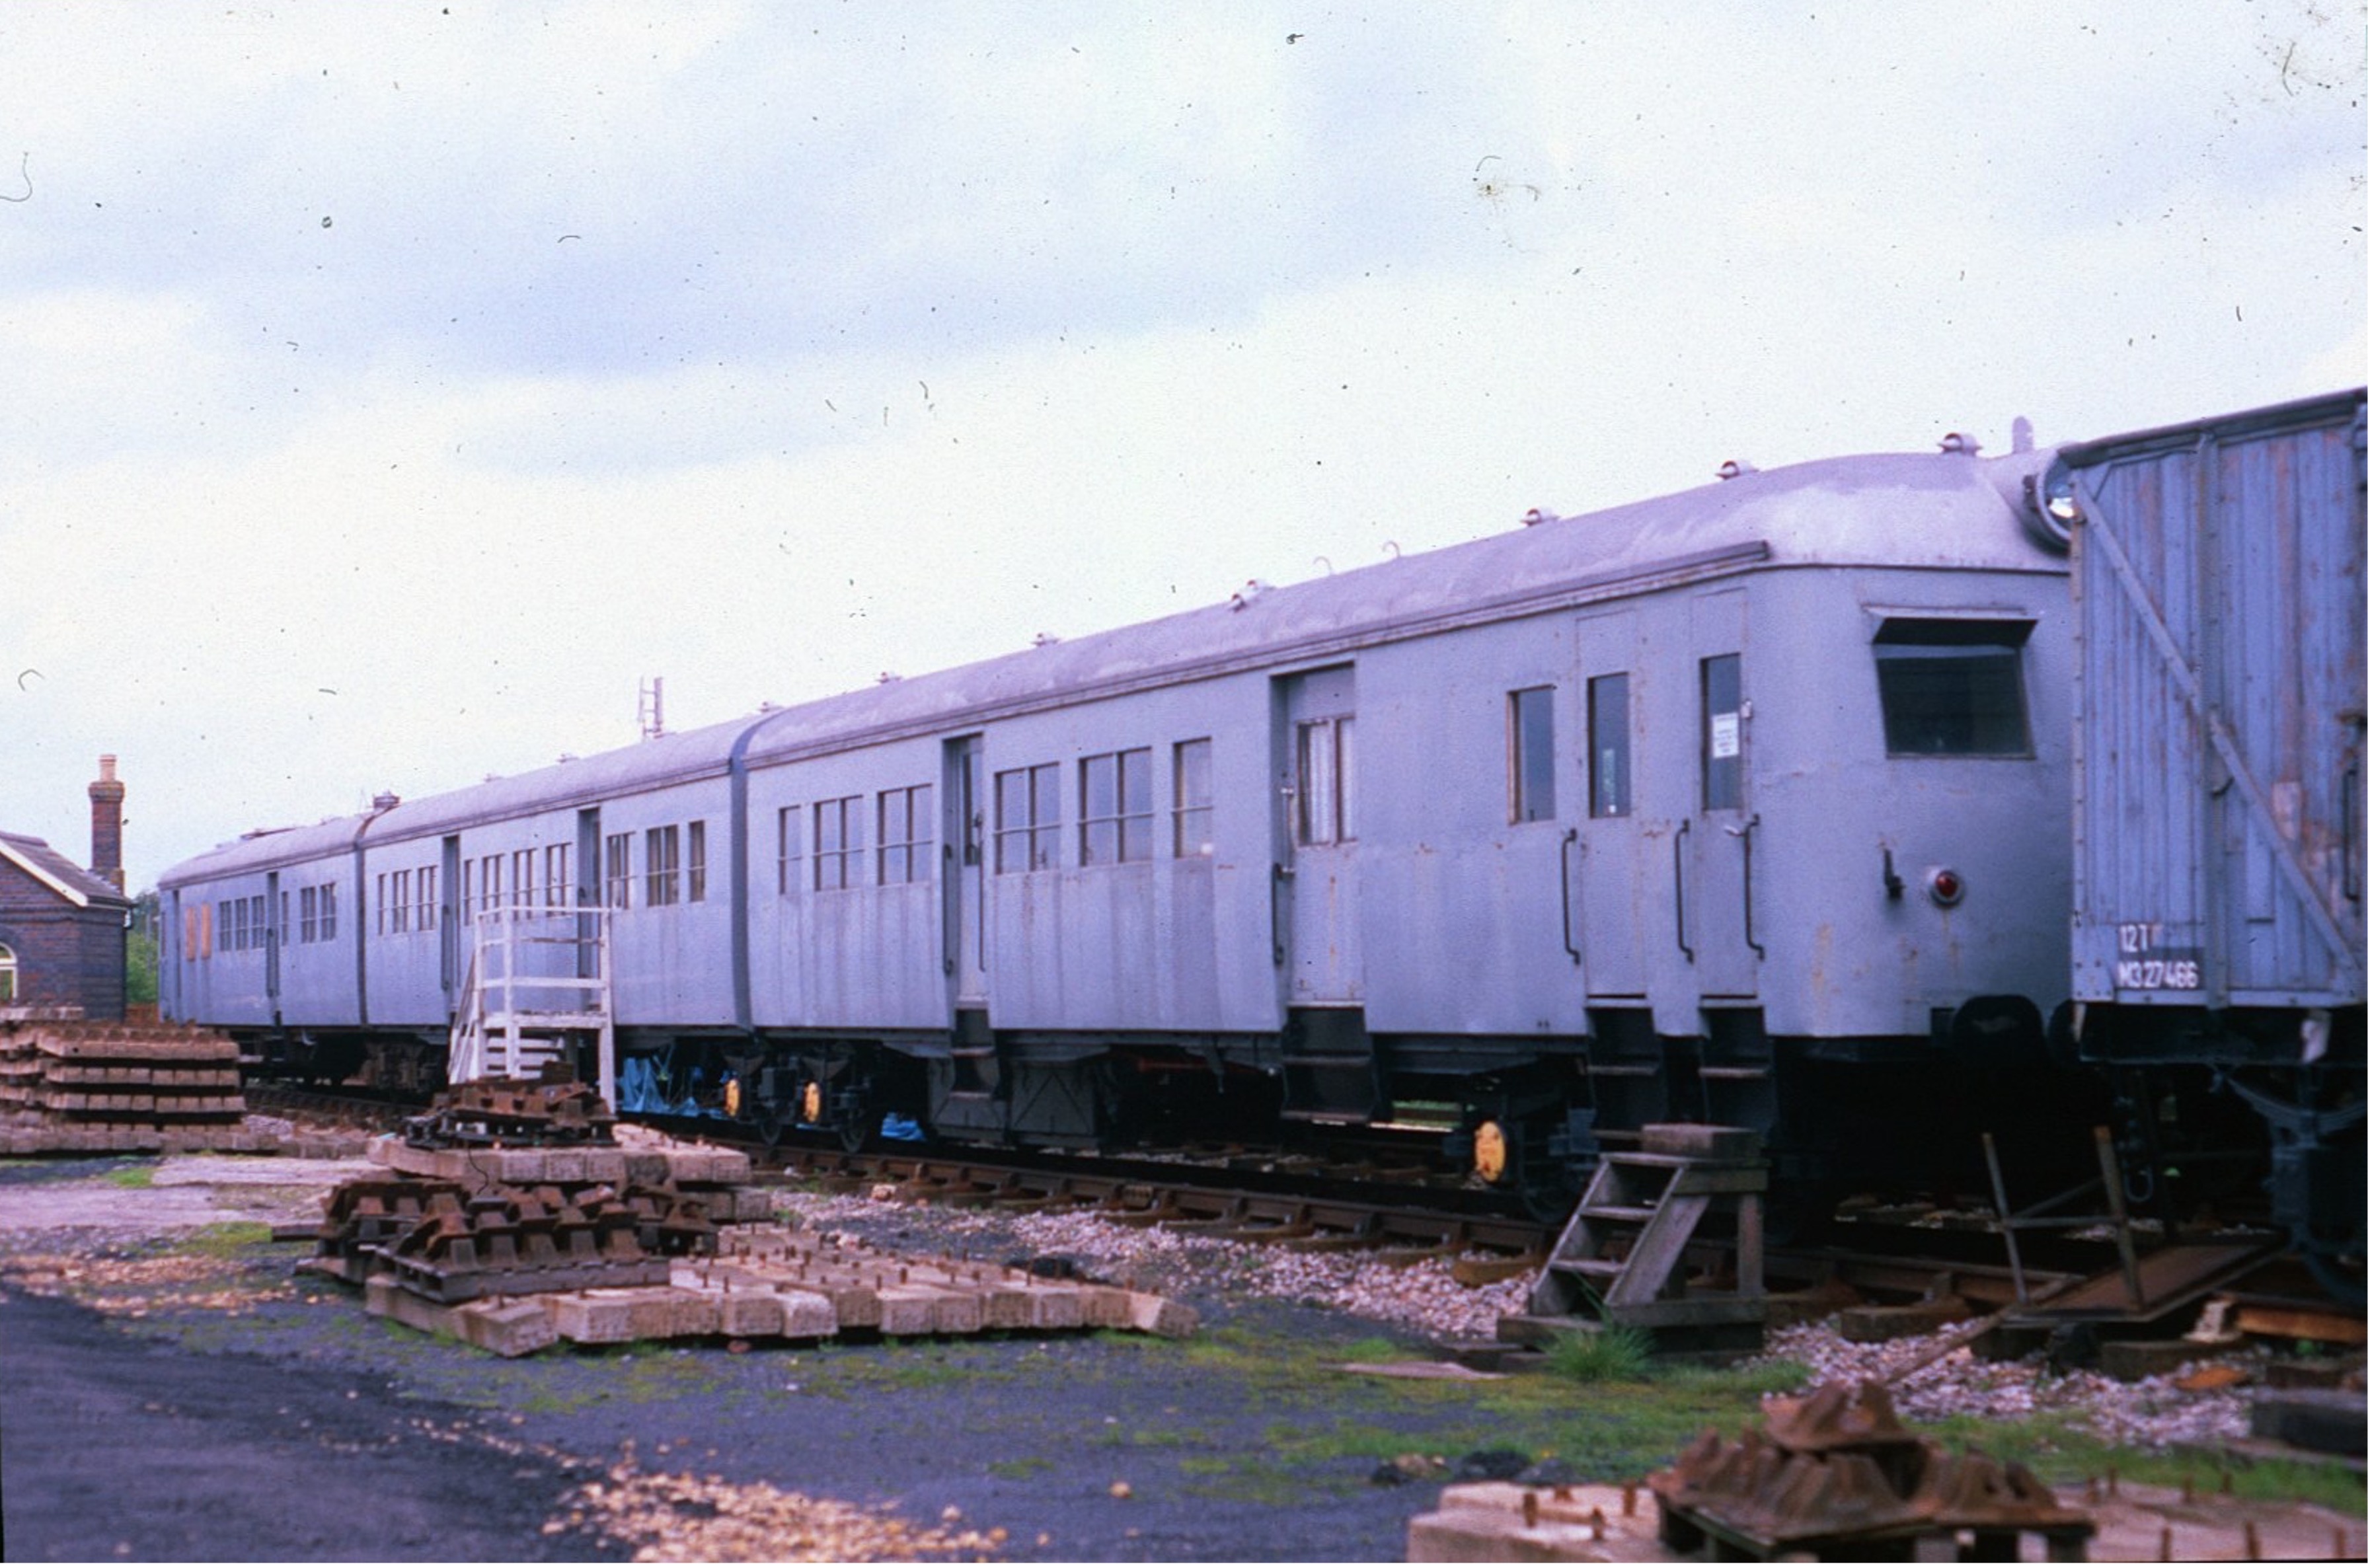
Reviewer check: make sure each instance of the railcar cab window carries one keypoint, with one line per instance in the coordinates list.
(1028, 819)
(1114, 808)
(1530, 731)
(1607, 747)
(1328, 790)
(1952, 688)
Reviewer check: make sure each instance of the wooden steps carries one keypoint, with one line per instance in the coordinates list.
(1621, 1259)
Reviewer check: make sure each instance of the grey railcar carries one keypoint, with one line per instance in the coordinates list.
(1747, 803)
(2217, 848)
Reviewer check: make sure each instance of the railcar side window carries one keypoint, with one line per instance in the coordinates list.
(489, 882)
(555, 893)
(7, 975)
(308, 908)
(1195, 800)
(1952, 688)
(1606, 746)
(619, 872)
(907, 831)
(1028, 818)
(695, 869)
(403, 901)
(792, 850)
(328, 912)
(661, 860)
(839, 843)
(1722, 732)
(1328, 790)
(425, 884)
(1114, 813)
(1530, 728)
(521, 878)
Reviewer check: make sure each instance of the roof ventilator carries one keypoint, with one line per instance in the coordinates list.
(1733, 469)
(1251, 591)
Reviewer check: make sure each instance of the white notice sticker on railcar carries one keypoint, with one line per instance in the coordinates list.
(1726, 735)
(2145, 964)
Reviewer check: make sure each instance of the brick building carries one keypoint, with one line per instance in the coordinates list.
(62, 929)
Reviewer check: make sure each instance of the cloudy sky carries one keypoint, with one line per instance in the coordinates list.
(391, 389)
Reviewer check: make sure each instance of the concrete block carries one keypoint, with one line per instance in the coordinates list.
(807, 1314)
(746, 1314)
(605, 1165)
(564, 1166)
(1158, 1314)
(906, 1309)
(645, 1169)
(511, 1327)
(1106, 1306)
(1873, 1325)
(2326, 1421)
(600, 1317)
(853, 1306)
(2134, 1360)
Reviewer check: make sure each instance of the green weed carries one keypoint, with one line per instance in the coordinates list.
(1613, 1354)
(133, 1176)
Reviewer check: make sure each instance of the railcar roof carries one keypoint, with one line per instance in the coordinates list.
(1937, 510)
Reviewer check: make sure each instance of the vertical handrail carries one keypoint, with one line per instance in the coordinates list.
(1678, 870)
(1749, 937)
(1570, 841)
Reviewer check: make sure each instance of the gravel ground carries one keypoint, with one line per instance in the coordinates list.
(200, 1402)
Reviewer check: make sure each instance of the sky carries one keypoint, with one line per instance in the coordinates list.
(387, 392)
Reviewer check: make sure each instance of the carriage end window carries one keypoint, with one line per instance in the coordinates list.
(1952, 688)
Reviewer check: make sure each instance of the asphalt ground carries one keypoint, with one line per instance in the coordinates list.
(230, 1411)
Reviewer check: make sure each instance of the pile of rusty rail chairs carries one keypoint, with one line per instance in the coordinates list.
(547, 1110)
(1835, 1477)
(517, 1186)
(68, 1086)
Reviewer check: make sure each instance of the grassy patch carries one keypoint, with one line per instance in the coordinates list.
(228, 1239)
(1019, 1470)
(133, 1176)
(1611, 1355)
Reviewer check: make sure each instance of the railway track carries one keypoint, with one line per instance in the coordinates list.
(1373, 1197)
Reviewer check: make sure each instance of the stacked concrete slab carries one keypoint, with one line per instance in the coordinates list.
(759, 1280)
(785, 1284)
(69, 1086)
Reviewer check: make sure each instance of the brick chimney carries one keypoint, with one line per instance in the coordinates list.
(106, 824)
